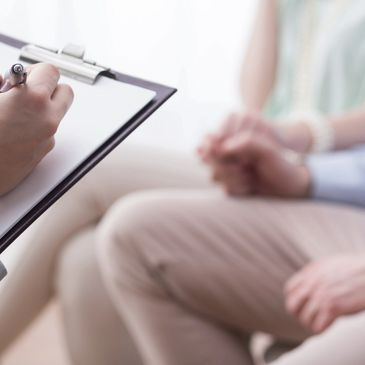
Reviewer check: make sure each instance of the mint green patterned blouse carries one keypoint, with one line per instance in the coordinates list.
(338, 64)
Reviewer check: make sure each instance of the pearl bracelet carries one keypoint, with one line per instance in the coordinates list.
(322, 133)
(321, 130)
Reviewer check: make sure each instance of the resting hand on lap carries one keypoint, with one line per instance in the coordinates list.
(326, 290)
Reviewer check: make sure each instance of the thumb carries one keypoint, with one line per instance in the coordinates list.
(243, 147)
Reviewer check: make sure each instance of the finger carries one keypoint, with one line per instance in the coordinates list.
(225, 172)
(294, 282)
(242, 184)
(62, 99)
(43, 76)
(306, 277)
(231, 148)
(237, 122)
(238, 188)
(297, 279)
(300, 292)
(296, 300)
(241, 148)
(309, 312)
(322, 321)
(234, 178)
(207, 148)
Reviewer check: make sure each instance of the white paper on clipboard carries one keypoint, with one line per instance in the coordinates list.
(98, 111)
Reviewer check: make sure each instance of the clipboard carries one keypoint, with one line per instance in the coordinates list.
(72, 64)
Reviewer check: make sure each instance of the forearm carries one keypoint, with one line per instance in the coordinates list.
(259, 68)
(348, 130)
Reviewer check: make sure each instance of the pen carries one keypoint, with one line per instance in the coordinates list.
(16, 75)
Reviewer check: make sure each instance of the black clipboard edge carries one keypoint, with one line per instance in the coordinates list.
(163, 93)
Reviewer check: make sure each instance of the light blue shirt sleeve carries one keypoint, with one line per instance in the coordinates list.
(339, 176)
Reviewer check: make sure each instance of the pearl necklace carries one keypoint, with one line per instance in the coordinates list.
(304, 70)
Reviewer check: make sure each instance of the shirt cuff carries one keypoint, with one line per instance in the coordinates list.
(339, 176)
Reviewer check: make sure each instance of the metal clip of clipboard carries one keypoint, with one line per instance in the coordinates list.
(69, 60)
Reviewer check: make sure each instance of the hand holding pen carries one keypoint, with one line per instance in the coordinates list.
(17, 75)
(29, 118)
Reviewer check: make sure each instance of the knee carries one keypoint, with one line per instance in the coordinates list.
(130, 230)
(77, 271)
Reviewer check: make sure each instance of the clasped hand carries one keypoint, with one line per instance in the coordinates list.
(247, 157)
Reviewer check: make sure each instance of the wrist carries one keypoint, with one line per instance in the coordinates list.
(311, 133)
(296, 136)
(323, 134)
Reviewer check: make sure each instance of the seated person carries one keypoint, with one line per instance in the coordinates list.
(195, 273)
(61, 258)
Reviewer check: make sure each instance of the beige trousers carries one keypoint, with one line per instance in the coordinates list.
(60, 258)
(194, 274)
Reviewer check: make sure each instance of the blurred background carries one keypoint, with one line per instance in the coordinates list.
(196, 46)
